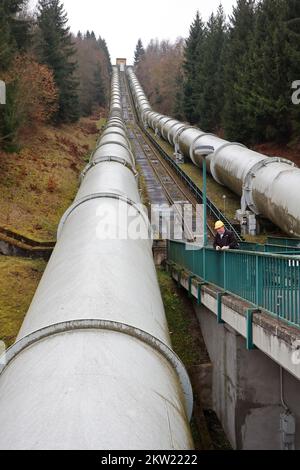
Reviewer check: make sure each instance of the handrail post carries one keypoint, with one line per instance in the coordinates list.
(224, 267)
(199, 292)
(191, 277)
(259, 278)
(249, 319)
(204, 151)
(204, 202)
(220, 295)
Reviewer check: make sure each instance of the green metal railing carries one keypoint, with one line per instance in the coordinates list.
(268, 281)
(285, 242)
(270, 247)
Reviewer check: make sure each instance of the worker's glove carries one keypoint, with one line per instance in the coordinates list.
(225, 248)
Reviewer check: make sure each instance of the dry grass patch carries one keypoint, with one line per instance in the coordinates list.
(39, 183)
(19, 279)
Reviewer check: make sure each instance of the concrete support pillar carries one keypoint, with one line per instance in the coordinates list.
(246, 390)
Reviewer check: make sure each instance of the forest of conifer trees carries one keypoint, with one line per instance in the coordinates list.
(50, 75)
(232, 76)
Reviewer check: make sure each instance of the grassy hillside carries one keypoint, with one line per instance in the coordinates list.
(19, 279)
(36, 187)
(40, 182)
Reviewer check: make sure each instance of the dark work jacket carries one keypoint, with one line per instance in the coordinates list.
(227, 240)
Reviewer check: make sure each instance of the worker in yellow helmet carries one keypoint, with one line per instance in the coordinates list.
(224, 239)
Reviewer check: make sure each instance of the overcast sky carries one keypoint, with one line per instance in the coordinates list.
(122, 22)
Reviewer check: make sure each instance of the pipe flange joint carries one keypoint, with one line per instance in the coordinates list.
(114, 142)
(162, 116)
(151, 116)
(181, 131)
(107, 325)
(124, 135)
(247, 198)
(192, 147)
(215, 155)
(172, 127)
(114, 124)
(117, 143)
(115, 159)
(104, 195)
(162, 129)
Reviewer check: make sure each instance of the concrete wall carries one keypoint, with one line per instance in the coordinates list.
(159, 252)
(8, 249)
(246, 388)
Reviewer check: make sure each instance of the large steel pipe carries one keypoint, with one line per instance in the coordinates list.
(93, 367)
(274, 190)
(269, 187)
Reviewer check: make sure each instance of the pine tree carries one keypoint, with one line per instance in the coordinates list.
(55, 49)
(6, 46)
(263, 85)
(101, 43)
(10, 120)
(192, 58)
(93, 72)
(241, 29)
(20, 24)
(14, 30)
(100, 95)
(210, 73)
(293, 53)
(139, 52)
(179, 99)
(14, 37)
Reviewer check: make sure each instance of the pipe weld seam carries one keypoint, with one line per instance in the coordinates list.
(192, 147)
(124, 135)
(160, 118)
(113, 142)
(114, 124)
(107, 325)
(214, 158)
(182, 130)
(120, 160)
(91, 197)
(172, 127)
(251, 175)
(163, 127)
(127, 148)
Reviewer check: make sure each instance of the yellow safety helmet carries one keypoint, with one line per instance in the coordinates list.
(219, 225)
